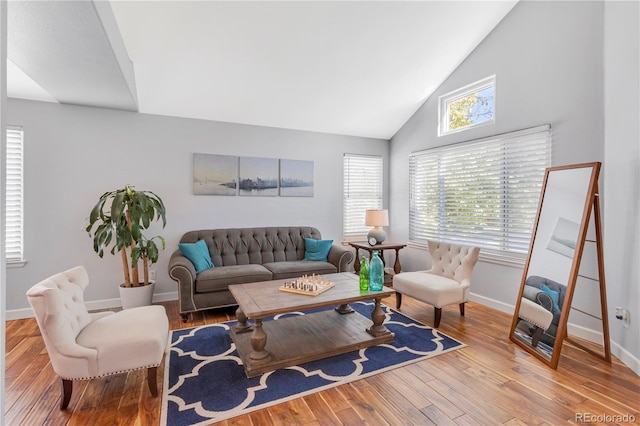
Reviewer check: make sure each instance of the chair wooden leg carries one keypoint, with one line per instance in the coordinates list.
(535, 337)
(185, 317)
(398, 300)
(67, 388)
(438, 316)
(152, 378)
(462, 309)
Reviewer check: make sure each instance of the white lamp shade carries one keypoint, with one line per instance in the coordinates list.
(377, 218)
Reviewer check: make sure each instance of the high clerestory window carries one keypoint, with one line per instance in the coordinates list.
(483, 193)
(467, 107)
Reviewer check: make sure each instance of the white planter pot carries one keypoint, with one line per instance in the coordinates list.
(133, 297)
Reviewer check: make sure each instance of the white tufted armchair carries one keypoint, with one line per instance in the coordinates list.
(83, 345)
(446, 283)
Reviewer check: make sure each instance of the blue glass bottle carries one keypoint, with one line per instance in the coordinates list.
(364, 274)
(376, 272)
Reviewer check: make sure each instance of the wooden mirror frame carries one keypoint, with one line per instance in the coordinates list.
(591, 203)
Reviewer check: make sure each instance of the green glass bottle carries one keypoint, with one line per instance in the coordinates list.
(376, 272)
(364, 274)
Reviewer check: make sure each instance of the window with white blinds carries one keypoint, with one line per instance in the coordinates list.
(14, 196)
(483, 192)
(362, 191)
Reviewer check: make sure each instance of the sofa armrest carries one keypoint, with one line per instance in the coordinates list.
(540, 297)
(183, 272)
(340, 257)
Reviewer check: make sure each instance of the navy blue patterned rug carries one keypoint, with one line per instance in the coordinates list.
(205, 382)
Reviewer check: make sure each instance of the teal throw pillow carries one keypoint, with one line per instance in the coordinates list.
(554, 295)
(198, 254)
(316, 249)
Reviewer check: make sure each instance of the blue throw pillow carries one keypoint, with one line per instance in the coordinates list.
(198, 254)
(554, 295)
(316, 249)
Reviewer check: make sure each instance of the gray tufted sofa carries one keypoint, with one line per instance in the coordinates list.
(246, 255)
(532, 292)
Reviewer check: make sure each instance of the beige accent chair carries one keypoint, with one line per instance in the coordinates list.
(446, 283)
(536, 315)
(83, 345)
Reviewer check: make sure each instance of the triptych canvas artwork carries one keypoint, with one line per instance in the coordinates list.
(233, 175)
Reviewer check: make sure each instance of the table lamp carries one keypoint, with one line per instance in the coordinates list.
(377, 219)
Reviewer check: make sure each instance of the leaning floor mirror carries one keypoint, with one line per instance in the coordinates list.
(564, 226)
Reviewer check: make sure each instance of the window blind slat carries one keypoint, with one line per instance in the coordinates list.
(483, 192)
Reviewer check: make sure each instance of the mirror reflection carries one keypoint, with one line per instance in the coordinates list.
(537, 323)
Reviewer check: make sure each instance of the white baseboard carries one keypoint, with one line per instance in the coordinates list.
(492, 303)
(15, 314)
(594, 336)
(626, 357)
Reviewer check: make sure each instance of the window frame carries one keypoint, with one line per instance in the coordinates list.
(445, 100)
(14, 209)
(350, 232)
(497, 246)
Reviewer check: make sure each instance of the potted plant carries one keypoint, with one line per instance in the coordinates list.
(119, 218)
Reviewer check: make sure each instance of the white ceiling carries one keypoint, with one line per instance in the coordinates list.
(355, 68)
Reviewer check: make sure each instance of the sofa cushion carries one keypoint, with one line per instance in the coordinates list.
(297, 268)
(221, 277)
(198, 254)
(316, 249)
(554, 295)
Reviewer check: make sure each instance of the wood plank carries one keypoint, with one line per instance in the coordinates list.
(134, 388)
(383, 407)
(27, 402)
(86, 408)
(300, 411)
(110, 398)
(348, 416)
(321, 411)
(335, 399)
(261, 417)
(436, 416)
(411, 414)
(366, 409)
(417, 399)
(18, 385)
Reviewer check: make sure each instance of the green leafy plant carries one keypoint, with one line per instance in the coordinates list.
(119, 218)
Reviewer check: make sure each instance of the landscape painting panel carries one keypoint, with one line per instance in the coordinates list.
(296, 178)
(258, 176)
(563, 239)
(215, 174)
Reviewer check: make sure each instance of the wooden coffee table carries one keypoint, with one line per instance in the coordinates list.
(297, 339)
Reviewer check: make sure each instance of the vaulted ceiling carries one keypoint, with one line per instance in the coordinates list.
(354, 67)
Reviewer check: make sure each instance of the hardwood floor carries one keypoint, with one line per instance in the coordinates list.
(489, 382)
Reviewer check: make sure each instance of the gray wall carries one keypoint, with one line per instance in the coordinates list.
(622, 173)
(549, 60)
(74, 154)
